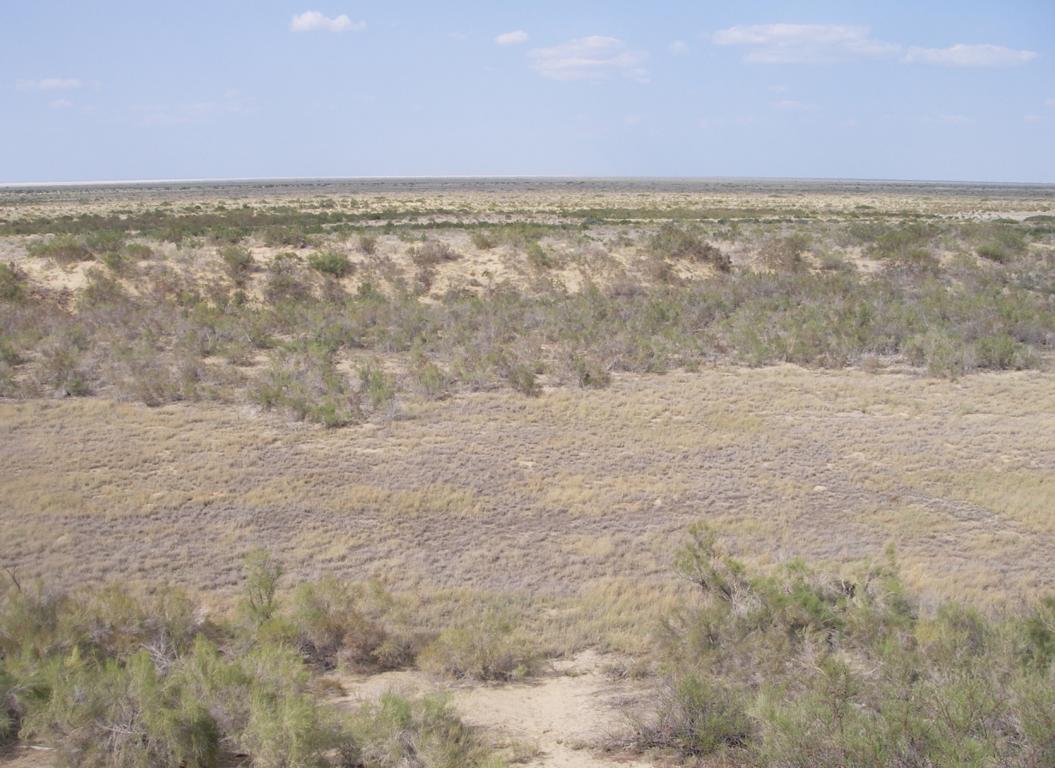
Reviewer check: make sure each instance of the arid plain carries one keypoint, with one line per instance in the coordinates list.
(518, 396)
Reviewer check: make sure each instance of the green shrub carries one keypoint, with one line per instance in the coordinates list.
(482, 240)
(487, 647)
(697, 716)
(64, 249)
(432, 252)
(368, 244)
(589, 371)
(285, 281)
(523, 378)
(800, 668)
(429, 379)
(674, 242)
(120, 715)
(376, 387)
(262, 574)
(332, 631)
(238, 262)
(12, 283)
(107, 241)
(331, 263)
(397, 732)
(137, 252)
(309, 386)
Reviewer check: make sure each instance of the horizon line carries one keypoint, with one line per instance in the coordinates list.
(485, 177)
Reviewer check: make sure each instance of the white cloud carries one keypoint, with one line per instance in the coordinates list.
(631, 120)
(791, 43)
(1049, 103)
(60, 104)
(515, 37)
(796, 43)
(678, 47)
(962, 55)
(948, 119)
(1033, 119)
(49, 84)
(231, 103)
(595, 57)
(313, 21)
(791, 105)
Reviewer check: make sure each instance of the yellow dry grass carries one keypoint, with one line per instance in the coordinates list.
(573, 500)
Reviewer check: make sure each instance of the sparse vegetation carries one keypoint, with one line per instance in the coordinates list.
(800, 668)
(528, 421)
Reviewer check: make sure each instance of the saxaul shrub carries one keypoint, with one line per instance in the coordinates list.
(238, 262)
(802, 668)
(487, 646)
(674, 242)
(65, 249)
(332, 263)
(12, 283)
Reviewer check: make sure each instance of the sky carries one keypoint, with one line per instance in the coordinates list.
(920, 89)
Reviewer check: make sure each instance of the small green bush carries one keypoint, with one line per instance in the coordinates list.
(285, 281)
(262, 574)
(12, 283)
(674, 242)
(432, 252)
(397, 733)
(488, 647)
(331, 263)
(482, 240)
(64, 249)
(698, 716)
(368, 244)
(238, 262)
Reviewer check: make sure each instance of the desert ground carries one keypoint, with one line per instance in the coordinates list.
(515, 397)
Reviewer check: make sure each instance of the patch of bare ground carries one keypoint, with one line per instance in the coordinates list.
(560, 720)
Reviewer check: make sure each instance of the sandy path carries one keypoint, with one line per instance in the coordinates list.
(562, 716)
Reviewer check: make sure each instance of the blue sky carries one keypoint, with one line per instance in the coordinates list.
(951, 89)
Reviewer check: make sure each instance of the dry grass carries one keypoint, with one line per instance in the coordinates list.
(556, 498)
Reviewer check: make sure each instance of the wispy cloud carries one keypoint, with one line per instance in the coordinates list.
(314, 21)
(595, 57)
(793, 43)
(231, 103)
(49, 84)
(802, 43)
(791, 105)
(678, 47)
(516, 37)
(963, 55)
(948, 119)
(60, 104)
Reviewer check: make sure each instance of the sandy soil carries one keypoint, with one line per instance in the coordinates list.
(563, 717)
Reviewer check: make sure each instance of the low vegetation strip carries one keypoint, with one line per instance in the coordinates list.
(787, 667)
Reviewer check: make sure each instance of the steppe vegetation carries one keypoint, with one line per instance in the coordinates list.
(262, 446)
